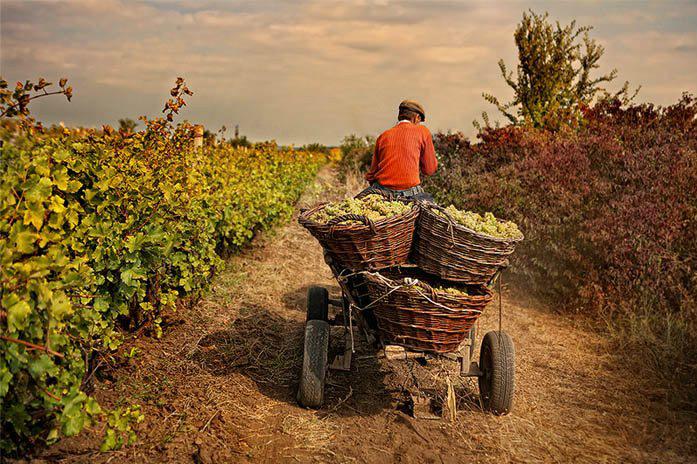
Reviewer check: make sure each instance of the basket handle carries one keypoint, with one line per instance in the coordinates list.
(422, 284)
(449, 218)
(317, 207)
(441, 209)
(375, 191)
(353, 217)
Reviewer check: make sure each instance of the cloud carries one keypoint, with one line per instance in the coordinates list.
(302, 71)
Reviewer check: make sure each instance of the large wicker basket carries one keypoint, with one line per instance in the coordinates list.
(453, 252)
(368, 245)
(411, 313)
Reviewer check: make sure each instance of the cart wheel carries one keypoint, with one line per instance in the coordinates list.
(317, 304)
(497, 363)
(311, 390)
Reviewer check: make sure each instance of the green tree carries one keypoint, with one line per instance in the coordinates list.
(127, 124)
(316, 148)
(356, 155)
(554, 76)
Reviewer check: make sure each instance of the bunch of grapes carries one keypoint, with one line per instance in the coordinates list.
(487, 224)
(440, 289)
(451, 290)
(374, 207)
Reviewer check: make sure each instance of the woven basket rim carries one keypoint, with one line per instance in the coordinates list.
(378, 276)
(427, 209)
(304, 218)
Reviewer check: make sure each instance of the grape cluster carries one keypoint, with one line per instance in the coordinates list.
(374, 207)
(440, 289)
(487, 224)
(451, 290)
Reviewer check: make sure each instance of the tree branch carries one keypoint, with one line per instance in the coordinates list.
(31, 345)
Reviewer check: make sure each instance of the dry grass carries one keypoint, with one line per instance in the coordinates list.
(316, 433)
(354, 183)
(662, 345)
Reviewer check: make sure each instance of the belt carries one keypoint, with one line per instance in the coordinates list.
(406, 193)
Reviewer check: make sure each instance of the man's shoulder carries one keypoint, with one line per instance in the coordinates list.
(397, 128)
(413, 127)
(424, 129)
(386, 133)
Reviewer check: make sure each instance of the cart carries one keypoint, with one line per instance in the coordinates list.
(494, 370)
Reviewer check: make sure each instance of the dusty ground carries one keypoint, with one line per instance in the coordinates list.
(220, 385)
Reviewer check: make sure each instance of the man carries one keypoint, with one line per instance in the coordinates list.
(402, 153)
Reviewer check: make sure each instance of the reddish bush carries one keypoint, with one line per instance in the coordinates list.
(609, 211)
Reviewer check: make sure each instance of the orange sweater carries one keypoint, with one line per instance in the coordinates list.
(400, 154)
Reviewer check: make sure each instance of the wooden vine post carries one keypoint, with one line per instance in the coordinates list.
(198, 136)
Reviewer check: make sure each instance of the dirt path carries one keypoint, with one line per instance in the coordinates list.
(220, 386)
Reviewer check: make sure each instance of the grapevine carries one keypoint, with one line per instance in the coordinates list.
(102, 230)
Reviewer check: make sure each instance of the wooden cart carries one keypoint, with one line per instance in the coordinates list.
(494, 370)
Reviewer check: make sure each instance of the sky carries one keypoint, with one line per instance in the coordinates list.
(314, 71)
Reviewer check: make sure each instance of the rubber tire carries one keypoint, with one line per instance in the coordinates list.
(317, 304)
(314, 370)
(497, 363)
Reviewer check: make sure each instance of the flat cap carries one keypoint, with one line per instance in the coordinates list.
(413, 106)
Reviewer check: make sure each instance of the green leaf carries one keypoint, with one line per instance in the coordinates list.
(60, 306)
(40, 366)
(34, 214)
(57, 204)
(17, 315)
(74, 186)
(101, 304)
(130, 276)
(8, 299)
(40, 191)
(5, 378)
(109, 442)
(135, 242)
(53, 435)
(92, 407)
(73, 417)
(25, 241)
(73, 424)
(103, 184)
(61, 178)
(73, 217)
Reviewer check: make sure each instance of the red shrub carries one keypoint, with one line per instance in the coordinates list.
(609, 211)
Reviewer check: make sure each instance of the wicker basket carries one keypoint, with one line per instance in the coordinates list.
(370, 245)
(453, 252)
(409, 312)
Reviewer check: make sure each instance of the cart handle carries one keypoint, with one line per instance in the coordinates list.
(353, 217)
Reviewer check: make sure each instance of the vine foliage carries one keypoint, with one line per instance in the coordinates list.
(102, 231)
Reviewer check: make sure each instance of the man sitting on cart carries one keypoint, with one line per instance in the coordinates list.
(402, 153)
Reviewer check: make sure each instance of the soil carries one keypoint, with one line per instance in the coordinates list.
(220, 385)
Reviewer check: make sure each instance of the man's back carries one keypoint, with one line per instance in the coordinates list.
(401, 152)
